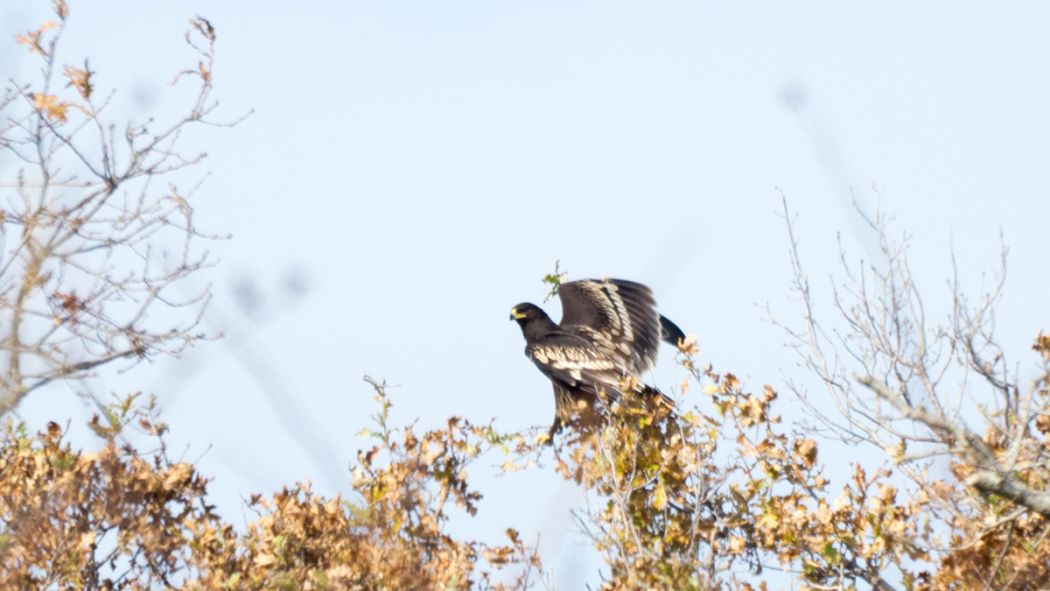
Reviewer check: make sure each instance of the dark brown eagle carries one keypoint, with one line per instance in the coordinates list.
(608, 337)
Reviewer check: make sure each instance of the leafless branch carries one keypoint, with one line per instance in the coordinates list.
(932, 391)
(92, 237)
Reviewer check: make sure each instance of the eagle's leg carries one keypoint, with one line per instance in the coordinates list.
(554, 430)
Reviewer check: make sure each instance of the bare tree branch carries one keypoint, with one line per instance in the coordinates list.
(100, 235)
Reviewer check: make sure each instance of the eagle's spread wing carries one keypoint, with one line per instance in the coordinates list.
(618, 317)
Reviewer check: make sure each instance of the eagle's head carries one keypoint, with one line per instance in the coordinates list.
(533, 321)
(523, 313)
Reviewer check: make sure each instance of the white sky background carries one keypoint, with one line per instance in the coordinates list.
(423, 165)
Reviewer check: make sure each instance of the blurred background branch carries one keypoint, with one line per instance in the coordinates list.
(97, 228)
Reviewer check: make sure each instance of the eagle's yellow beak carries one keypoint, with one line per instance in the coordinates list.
(515, 315)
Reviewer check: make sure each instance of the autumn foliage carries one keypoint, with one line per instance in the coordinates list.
(719, 492)
(118, 518)
(699, 500)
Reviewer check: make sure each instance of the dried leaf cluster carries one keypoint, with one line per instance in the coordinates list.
(120, 518)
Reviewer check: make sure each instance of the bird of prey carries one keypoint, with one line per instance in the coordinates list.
(608, 337)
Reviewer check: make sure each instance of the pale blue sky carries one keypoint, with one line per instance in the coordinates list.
(424, 164)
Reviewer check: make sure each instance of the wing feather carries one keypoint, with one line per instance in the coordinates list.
(576, 366)
(617, 316)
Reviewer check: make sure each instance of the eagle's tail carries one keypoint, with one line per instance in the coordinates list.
(670, 332)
